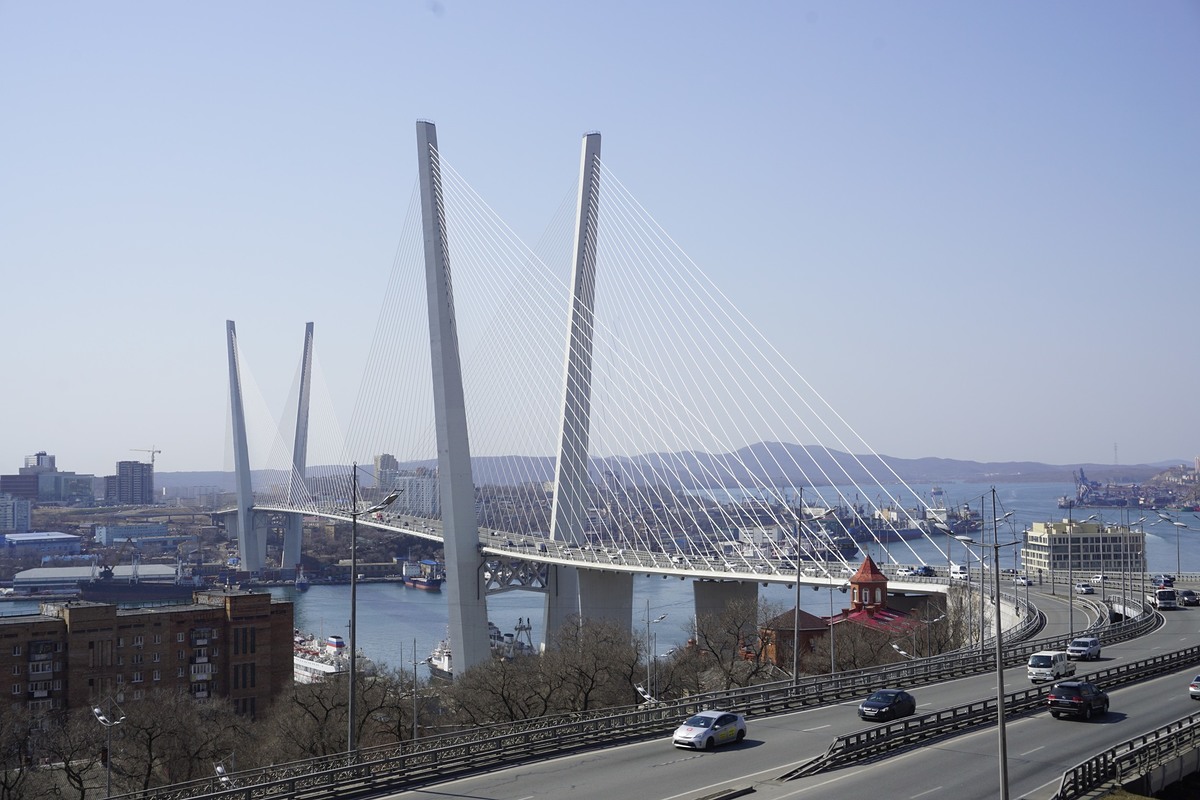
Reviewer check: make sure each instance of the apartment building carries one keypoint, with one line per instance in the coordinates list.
(232, 644)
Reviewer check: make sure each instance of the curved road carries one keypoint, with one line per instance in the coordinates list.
(1040, 748)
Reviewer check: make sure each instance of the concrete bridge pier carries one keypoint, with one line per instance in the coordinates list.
(711, 598)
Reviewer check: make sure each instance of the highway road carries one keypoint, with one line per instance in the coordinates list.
(1040, 748)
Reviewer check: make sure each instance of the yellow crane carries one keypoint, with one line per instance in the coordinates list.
(152, 451)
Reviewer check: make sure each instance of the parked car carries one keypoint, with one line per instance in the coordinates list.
(706, 730)
(1188, 598)
(887, 704)
(1194, 688)
(1085, 648)
(1077, 699)
(1084, 588)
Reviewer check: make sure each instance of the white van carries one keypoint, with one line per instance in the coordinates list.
(959, 573)
(1049, 665)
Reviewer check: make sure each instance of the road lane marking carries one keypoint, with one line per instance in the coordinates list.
(928, 791)
(819, 727)
(1034, 750)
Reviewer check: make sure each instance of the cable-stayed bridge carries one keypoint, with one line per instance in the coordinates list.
(599, 409)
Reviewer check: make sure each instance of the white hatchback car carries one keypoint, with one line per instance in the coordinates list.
(707, 729)
(1084, 588)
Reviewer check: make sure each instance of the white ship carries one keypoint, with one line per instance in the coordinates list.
(503, 645)
(314, 660)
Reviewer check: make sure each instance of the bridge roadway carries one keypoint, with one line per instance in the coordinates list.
(963, 767)
(538, 549)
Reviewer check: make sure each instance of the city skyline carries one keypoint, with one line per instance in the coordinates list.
(993, 207)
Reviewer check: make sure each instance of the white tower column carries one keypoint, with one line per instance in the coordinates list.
(297, 490)
(568, 595)
(467, 606)
(251, 547)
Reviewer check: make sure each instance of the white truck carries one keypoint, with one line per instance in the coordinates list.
(1162, 598)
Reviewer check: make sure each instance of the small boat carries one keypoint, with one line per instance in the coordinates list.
(505, 646)
(427, 574)
(302, 583)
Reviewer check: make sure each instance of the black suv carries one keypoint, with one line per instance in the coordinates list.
(1078, 699)
(925, 571)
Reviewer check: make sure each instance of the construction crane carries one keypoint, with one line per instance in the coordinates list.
(152, 451)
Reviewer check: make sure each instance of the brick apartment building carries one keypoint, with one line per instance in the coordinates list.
(227, 643)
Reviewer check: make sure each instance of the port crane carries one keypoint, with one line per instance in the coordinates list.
(152, 451)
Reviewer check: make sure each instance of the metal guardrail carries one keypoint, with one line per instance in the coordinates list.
(449, 755)
(1132, 758)
(876, 741)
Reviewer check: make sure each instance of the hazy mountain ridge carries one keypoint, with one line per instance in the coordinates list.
(778, 464)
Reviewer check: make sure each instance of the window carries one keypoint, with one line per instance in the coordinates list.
(120, 678)
(137, 658)
(179, 655)
(16, 649)
(120, 641)
(137, 677)
(158, 638)
(16, 688)
(157, 657)
(137, 641)
(155, 675)
(16, 669)
(138, 694)
(179, 672)
(179, 636)
(120, 661)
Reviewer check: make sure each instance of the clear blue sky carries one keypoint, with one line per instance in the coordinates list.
(976, 227)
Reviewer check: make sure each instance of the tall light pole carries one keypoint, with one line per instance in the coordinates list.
(1002, 740)
(650, 645)
(1070, 567)
(351, 738)
(109, 721)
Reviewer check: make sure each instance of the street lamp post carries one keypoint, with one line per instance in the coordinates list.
(1001, 736)
(650, 643)
(351, 738)
(109, 721)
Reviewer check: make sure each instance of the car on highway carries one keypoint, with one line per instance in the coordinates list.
(1021, 580)
(1164, 581)
(1085, 648)
(1099, 578)
(887, 704)
(1077, 699)
(924, 571)
(905, 571)
(1188, 598)
(1084, 588)
(706, 730)
(1194, 688)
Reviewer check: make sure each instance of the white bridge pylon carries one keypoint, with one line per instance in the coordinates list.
(680, 464)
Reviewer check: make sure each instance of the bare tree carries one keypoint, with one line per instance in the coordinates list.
(75, 742)
(732, 647)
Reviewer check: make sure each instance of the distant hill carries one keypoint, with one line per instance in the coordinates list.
(783, 465)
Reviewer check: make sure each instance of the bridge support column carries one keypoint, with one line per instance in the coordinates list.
(252, 549)
(292, 537)
(568, 517)
(464, 569)
(607, 597)
(713, 597)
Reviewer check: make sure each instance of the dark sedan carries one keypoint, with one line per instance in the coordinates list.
(1188, 598)
(1077, 699)
(887, 704)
